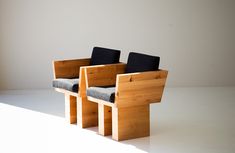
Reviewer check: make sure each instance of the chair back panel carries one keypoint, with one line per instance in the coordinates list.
(103, 75)
(69, 68)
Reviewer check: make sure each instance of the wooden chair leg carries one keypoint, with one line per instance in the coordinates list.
(87, 113)
(130, 122)
(105, 120)
(70, 109)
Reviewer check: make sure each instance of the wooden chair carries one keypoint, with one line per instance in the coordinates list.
(124, 99)
(69, 79)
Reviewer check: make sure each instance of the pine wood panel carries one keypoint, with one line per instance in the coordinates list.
(87, 115)
(105, 120)
(69, 68)
(130, 122)
(142, 76)
(140, 88)
(103, 75)
(70, 109)
(142, 85)
(82, 83)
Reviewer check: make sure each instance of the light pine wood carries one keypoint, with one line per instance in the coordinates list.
(87, 113)
(103, 75)
(82, 83)
(105, 120)
(139, 88)
(142, 75)
(69, 68)
(130, 122)
(70, 109)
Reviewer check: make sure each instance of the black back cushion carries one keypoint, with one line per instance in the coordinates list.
(104, 56)
(141, 62)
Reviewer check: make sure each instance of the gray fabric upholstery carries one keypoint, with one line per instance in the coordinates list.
(67, 84)
(103, 93)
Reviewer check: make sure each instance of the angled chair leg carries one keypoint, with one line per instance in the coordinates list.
(105, 120)
(70, 109)
(130, 122)
(87, 113)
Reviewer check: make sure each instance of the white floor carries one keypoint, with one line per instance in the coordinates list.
(189, 120)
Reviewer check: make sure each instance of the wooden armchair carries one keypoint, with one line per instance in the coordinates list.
(124, 99)
(69, 79)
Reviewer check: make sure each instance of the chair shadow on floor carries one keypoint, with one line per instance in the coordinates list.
(140, 144)
(52, 103)
(43, 101)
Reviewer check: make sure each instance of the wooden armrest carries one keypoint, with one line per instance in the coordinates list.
(69, 68)
(103, 75)
(140, 88)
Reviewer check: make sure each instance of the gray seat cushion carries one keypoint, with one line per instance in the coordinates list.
(67, 84)
(103, 93)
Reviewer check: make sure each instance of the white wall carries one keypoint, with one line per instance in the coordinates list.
(194, 38)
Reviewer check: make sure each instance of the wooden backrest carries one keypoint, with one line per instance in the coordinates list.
(69, 68)
(103, 75)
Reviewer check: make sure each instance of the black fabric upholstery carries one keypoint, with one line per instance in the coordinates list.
(103, 93)
(104, 56)
(67, 84)
(138, 62)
